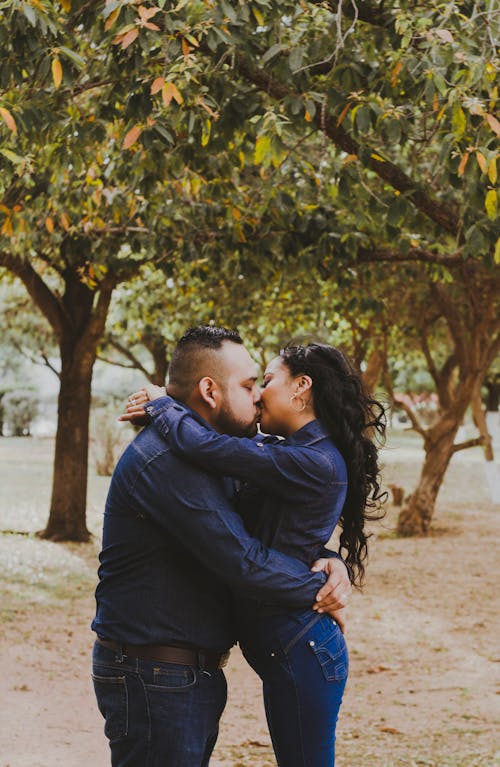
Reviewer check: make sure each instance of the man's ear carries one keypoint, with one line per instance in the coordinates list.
(209, 392)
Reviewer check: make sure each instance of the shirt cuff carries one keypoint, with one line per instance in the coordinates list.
(160, 405)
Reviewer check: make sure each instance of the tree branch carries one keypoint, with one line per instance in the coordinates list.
(370, 13)
(453, 319)
(416, 425)
(37, 289)
(469, 443)
(34, 360)
(136, 363)
(424, 343)
(441, 213)
(377, 254)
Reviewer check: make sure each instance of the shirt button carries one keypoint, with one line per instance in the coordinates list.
(260, 444)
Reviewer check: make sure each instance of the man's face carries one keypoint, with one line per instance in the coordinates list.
(239, 411)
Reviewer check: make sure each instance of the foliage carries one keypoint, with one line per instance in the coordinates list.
(20, 408)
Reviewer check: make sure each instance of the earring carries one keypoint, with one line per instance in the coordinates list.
(304, 404)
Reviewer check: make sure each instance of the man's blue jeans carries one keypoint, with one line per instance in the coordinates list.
(303, 662)
(157, 714)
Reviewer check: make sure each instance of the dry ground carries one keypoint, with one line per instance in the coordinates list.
(424, 636)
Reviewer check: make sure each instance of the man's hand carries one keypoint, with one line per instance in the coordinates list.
(333, 596)
(135, 404)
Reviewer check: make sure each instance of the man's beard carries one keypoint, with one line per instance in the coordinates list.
(229, 423)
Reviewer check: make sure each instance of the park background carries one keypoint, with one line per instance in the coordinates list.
(323, 170)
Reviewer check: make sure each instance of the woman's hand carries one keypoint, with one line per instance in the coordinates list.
(135, 412)
(334, 594)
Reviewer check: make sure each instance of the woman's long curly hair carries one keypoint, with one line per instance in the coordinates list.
(354, 421)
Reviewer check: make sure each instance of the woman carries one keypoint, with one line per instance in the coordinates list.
(324, 473)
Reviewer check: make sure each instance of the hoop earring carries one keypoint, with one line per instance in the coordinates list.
(304, 404)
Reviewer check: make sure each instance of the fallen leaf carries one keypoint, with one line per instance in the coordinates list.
(378, 669)
(391, 730)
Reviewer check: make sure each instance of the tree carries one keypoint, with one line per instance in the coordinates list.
(71, 228)
(21, 407)
(259, 134)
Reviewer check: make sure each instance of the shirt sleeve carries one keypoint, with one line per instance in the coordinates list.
(191, 507)
(292, 472)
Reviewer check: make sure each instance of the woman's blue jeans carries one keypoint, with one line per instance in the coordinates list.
(157, 714)
(303, 663)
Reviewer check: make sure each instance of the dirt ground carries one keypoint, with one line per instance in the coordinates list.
(423, 637)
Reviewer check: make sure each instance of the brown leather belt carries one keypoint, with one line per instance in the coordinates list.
(184, 656)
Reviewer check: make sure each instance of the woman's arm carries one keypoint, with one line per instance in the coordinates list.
(290, 471)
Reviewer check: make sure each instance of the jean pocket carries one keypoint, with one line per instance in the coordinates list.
(173, 677)
(331, 653)
(112, 700)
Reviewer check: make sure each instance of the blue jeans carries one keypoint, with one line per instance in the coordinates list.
(157, 714)
(303, 663)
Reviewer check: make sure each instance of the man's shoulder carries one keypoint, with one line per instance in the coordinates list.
(149, 449)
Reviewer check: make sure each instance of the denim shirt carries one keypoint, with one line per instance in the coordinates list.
(302, 480)
(172, 546)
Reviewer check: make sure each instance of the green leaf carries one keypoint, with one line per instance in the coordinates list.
(75, 58)
(295, 59)
(491, 204)
(458, 121)
(363, 119)
(206, 129)
(271, 53)
(440, 85)
(12, 156)
(30, 14)
(497, 251)
(262, 149)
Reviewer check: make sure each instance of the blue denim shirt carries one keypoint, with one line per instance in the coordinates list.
(297, 486)
(172, 546)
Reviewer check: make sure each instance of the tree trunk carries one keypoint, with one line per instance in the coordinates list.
(416, 516)
(69, 485)
(158, 350)
(374, 369)
(480, 421)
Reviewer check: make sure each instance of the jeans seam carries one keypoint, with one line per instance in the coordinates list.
(291, 644)
(299, 709)
(148, 713)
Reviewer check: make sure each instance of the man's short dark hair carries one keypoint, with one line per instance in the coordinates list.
(195, 357)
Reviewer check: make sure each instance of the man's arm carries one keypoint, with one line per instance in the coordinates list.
(289, 471)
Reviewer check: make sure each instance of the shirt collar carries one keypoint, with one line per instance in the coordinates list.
(312, 432)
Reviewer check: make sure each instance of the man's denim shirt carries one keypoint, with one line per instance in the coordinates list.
(172, 547)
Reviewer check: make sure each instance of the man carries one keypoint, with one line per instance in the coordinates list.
(172, 547)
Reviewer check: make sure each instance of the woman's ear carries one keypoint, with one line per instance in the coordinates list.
(303, 383)
(209, 391)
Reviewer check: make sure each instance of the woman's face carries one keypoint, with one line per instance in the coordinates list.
(276, 408)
